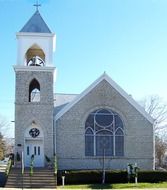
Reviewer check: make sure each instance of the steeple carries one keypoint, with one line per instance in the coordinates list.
(36, 24)
(36, 42)
(34, 90)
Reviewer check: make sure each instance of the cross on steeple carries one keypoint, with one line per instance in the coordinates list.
(37, 5)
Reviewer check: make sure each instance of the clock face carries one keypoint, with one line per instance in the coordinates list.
(34, 132)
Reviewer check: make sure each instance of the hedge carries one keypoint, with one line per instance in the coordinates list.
(95, 177)
(152, 176)
(91, 177)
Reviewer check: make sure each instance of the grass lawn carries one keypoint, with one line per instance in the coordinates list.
(116, 186)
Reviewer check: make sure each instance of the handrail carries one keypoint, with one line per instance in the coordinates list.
(55, 165)
(22, 163)
(8, 168)
(32, 165)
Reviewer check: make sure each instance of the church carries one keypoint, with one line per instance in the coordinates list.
(103, 122)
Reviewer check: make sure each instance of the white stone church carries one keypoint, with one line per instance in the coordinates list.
(102, 121)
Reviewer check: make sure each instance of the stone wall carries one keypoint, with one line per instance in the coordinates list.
(41, 112)
(70, 132)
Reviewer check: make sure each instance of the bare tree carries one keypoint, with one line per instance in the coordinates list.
(160, 150)
(4, 126)
(2, 147)
(157, 108)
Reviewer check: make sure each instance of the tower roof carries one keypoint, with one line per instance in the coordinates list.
(36, 24)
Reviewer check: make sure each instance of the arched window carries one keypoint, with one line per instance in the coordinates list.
(104, 134)
(35, 56)
(34, 91)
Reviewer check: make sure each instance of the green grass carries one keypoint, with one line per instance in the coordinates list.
(116, 186)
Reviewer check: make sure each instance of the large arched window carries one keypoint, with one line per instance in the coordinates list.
(104, 134)
(34, 91)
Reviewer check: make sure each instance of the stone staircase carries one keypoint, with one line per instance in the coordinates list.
(41, 178)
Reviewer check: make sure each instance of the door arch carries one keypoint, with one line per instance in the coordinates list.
(34, 145)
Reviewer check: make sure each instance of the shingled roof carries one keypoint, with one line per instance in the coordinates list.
(36, 24)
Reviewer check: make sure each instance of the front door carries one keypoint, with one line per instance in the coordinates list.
(34, 148)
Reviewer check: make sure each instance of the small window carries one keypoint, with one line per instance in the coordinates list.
(34, 91)
(38, 150)
(35, 150)
(28, 150)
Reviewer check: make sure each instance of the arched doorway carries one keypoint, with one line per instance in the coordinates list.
(34, 145)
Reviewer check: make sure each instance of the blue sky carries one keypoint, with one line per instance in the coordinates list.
(125, 38)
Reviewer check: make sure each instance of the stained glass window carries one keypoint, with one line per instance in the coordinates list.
(104, 134)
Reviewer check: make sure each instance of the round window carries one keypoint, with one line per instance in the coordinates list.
(34, 132)
(104, 118)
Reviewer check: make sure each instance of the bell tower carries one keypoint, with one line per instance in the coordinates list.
(34, 102)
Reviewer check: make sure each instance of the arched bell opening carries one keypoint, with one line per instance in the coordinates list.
(34, 91)
(35, 56)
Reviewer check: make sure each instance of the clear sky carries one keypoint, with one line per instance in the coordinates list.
(125, 38)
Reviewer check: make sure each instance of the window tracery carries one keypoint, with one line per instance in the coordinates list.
(104, 134)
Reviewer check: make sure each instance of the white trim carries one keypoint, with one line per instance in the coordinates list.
(114, 145)
(94, 145)
(18, 34)
(33, 68)
(33, 139)
(116, 87)
(119, 128)
(91, 130)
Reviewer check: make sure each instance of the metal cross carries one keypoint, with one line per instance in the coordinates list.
(37, 5)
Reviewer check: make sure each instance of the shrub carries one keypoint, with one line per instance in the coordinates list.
(152, 176)
(91, 177)
(116, 177)
(95, 177)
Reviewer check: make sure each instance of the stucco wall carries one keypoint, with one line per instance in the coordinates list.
(70, 132)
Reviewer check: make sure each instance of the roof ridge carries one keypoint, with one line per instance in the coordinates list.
(124, 94)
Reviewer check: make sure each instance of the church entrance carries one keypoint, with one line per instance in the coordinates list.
(34, 148)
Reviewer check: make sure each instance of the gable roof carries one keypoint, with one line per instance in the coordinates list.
(36, 24)
(61, 100)
(116, 87)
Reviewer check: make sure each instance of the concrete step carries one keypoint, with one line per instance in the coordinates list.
(41, 178)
